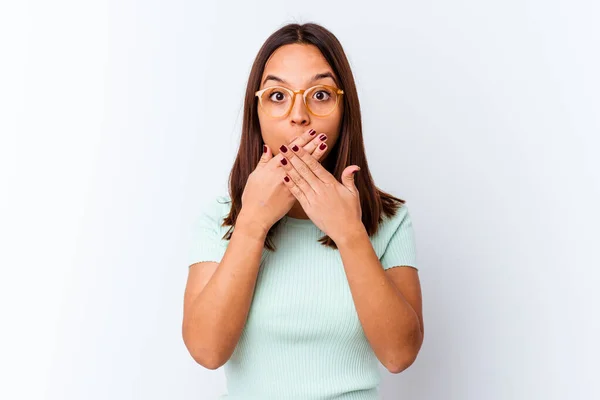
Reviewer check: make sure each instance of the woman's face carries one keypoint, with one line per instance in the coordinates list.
(295, 65)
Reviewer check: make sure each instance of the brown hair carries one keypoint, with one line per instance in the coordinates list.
(348, 150)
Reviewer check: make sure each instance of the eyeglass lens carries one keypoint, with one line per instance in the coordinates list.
(320, 100)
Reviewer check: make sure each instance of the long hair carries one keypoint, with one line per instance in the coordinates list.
(348, 150)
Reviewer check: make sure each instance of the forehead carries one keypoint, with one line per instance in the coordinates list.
(296, 63)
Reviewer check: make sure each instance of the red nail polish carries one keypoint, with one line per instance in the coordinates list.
(312, 132)
(322, 146)
(284, 161)
(283, 148)
(264, 148)
(322, 137)
(286, 178)
(295, 148)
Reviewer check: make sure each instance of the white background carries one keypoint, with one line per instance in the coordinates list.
(119, 118)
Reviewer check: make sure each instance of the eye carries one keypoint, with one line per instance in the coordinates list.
(322, 95)
(277, 96)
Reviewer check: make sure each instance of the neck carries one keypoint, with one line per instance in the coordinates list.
(297, 211)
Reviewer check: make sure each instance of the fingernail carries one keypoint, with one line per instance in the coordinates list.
(322, 146)
(322, 137)
(295, 148)
(312, 132)
(264, 148)
(286, 178)
(283, 148)
(284, 161)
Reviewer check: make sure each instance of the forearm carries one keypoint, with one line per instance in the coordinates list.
(390, 324)
(219, 312)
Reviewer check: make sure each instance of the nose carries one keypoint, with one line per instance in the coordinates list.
(299, 114)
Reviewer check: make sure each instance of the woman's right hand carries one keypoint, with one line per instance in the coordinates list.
(266, 199)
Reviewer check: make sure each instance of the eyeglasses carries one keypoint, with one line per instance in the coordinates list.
(320, 100)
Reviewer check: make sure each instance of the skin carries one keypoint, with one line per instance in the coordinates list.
(296, 65)
(218, 295)
(391, 316)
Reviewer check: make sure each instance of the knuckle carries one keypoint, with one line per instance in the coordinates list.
(303, 169)
(312, 163)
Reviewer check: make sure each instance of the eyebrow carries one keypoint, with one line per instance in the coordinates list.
(322, 75)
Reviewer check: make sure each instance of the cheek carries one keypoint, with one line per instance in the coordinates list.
(268, 131)
(333, 127)
(271, 135)
(265, 128)
(335, 121)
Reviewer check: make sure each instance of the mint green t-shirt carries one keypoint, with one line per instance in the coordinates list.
(302, 339)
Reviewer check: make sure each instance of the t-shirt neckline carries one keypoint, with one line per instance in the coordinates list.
(298, 222)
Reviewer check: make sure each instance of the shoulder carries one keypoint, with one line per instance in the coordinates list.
(391, 223)
(212, 211)
(207, 236)
(216, 205)
(394, 241)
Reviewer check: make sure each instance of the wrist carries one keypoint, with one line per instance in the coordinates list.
(351, 234)
(251, 226)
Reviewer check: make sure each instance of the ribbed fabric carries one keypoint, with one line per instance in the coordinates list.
(302, 339)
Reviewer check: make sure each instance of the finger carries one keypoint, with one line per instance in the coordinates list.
(303, 139)
(314, 144)
(309, 168)
(300, 166)
(266, 156)
(314, 147)
(348, 176)
(290, 171)
(296, 191)
(299, 180)
(274, 162)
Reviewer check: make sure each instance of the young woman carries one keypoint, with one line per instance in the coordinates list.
(298, 282)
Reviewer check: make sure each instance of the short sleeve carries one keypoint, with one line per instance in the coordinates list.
(207, 243)
(401, 248)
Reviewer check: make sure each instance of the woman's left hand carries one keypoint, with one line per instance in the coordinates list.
(334, 207)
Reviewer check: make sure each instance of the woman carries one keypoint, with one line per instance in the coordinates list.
(292, 282)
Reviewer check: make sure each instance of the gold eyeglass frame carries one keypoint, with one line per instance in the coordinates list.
(303, 92)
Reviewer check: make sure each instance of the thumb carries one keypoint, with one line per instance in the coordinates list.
(266, 156)
(348, 177)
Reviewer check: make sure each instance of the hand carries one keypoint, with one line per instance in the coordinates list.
(265, 199)
(333, 206)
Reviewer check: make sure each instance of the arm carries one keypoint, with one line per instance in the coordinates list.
(391, 324)
(216, 307)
